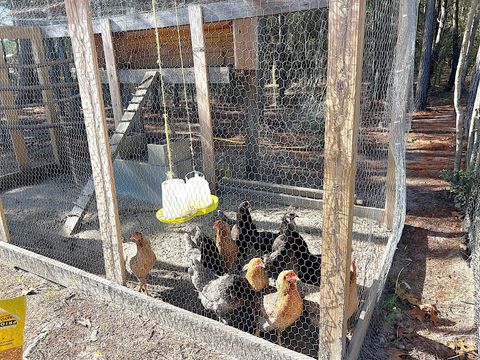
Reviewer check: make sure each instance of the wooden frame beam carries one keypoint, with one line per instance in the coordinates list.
(39, 57)
(390, 188)
(7, 99)
(220, 11)
(85, 56)
(344, 74)
(216, 75)
(17, 32)
(4, 232)
(111, 70)
(203, 93)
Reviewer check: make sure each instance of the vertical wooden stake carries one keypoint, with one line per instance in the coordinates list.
(112, 72)
(85, 56)
(203, 93)
(38, 51)
(345, 57)
(390, 187)
(7, 98)
(4, 232)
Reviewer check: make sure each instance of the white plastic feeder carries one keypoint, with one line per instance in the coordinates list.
(174, 199)
(198, 191)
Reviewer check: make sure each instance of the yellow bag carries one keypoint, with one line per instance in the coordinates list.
(12, 323)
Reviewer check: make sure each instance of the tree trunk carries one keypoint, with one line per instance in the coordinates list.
(441, 24)
(471, 44)
(476, 156)
(473, 135)
(473, 87)
(423, 79)
(455, 47)
(458, 87)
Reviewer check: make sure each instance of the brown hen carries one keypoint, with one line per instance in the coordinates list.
(139, 259)
(226, 246)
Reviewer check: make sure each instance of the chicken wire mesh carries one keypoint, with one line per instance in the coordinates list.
(43, 143)
(473, 226)
(266, 96)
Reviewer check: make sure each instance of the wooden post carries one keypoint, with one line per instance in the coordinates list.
(4, 232)
(254, 114)
(255, 103)
(74, 110)
(7, 98)
(345, 56)
(112, 72)
(390, 187)
(203, 93)
(85, 56)
(38, 51)
(282, 59)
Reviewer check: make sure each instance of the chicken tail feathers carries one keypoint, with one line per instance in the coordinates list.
(199, 274)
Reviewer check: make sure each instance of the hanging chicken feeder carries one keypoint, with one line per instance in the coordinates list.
(183, 200)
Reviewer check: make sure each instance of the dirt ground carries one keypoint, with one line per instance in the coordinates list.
(62, 324)
(431, 262)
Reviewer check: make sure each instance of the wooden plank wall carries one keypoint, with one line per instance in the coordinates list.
(137, 49)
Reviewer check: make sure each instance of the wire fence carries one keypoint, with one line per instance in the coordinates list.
(265, 104)
(473, 226)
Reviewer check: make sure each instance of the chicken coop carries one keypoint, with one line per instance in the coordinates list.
(294, 112)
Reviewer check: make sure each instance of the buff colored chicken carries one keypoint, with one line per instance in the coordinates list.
(282, 308)
(139, 259)
(227, 247)
(256, 274)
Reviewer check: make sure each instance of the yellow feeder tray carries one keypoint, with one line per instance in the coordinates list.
(199, 212)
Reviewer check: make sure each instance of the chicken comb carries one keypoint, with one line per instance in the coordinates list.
(291, 275)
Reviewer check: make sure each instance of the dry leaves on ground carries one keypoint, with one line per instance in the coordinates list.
(421, 312)
(464, 351)
(425, 312)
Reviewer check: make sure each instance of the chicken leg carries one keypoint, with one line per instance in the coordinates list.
(143, 287)
(279, 337)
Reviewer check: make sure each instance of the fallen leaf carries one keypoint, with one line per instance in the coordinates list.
(425, 312)
(431, 312)
(84, 322)
(418, 314)
(465, 352)
(405, 295)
